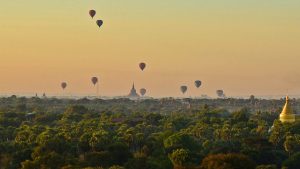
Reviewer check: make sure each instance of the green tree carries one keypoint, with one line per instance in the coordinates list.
(277, 133)
(291, 144)
(241, 116)
(99, 140)
(120, 153)
(179, 157)
(181, 140)
(99, 159)
(116, 167)
(266, 167)
(74, 113)
(227, 161)
(293, 162)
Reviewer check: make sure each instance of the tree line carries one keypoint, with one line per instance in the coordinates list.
(164, 133)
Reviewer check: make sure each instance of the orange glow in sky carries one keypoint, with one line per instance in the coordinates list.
(249, 47)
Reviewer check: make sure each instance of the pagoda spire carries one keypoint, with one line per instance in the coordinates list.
(287, 107)
(287, 113)
(133, 93)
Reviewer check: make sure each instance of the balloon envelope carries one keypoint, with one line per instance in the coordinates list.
(63, 85)
(142, 66)
(198, 83)
(92, 13)
(99, 23)
(143, 91)
(94, 80)
(183, 89)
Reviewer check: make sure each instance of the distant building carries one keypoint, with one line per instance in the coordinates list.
(287, 115)
(133, 93)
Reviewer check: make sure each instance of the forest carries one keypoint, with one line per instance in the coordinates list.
(166, 133)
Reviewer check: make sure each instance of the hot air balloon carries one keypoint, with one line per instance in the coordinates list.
(63, 85)
(92, 13)
(220, 93)
(183, 89)
(94, 80)
(198, 83)
(99, 23)
(143, 91)
(142, 65)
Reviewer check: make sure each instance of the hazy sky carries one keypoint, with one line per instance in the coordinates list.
(242, 46)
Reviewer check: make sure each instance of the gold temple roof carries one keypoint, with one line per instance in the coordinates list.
(287, 109)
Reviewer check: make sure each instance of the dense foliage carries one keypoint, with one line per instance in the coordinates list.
(165, 133)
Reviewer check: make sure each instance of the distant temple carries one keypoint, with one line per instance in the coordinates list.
(133, 93)
(287, 115)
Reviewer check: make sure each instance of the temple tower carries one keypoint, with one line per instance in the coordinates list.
(287, 115)
(133, 93)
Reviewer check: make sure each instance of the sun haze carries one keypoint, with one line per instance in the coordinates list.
(244, 47)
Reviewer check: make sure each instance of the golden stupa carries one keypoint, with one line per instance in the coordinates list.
(287, 115)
